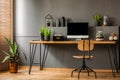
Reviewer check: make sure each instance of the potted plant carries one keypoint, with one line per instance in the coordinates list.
(47, 34)
(11, 56)
(99, 35)
(98, 19)
(42, 30)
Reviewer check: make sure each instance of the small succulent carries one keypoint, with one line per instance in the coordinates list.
(99, 34)
(97, 17)
(47, 32)
(42, 30)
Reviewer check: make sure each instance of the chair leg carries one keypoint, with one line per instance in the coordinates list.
(84, 67)
(92, 71)
(75, 70)
(87, 71)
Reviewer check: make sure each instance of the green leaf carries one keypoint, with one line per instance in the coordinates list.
(6, 58)
(97, 17)
(42, 29)
(10, 49)
(8, 41)
(47, 32)
(6, 53)
(15, 48)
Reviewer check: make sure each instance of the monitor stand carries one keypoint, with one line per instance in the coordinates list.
(74, 39)
(78, 39)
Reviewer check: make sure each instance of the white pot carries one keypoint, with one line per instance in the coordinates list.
(111, 38)
(115, 38)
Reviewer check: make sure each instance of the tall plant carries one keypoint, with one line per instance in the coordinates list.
(12, 55)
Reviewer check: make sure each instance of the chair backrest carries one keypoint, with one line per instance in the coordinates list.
(86, 45)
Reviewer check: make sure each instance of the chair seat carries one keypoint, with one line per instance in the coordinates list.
(87, 57)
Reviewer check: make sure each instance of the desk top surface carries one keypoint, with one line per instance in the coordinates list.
(69, 42)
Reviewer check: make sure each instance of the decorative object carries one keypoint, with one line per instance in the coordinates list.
(42, 30)
(57, 22)
(58, 37)
(99, 35)
(98, 19)
(48, 20)
(12, 56)
(105, 20)
(62, 21)
(113, 36)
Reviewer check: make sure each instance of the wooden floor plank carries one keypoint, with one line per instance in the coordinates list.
(55, 74)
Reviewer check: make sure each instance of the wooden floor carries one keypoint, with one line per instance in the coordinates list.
(55, 74)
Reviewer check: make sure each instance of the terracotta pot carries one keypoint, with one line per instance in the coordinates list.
(13, 66)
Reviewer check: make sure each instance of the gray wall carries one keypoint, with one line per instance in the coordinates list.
(29, 17)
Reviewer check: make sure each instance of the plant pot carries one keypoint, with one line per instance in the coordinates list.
(42, 37)
(47, 38)
(13, 66)
(98, 23)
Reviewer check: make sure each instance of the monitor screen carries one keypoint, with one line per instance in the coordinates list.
(77, 30)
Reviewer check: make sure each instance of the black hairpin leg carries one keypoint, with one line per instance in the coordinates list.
(44, 56)
(114, 51)
(40, 57)
(32, 54)
(110, 58)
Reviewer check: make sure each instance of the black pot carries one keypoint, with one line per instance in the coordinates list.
(99, 23)
(42, 37)
(47, 38)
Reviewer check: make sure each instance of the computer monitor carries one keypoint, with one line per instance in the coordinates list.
(77, 30)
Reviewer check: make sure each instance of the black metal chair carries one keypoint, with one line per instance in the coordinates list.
(85, 46)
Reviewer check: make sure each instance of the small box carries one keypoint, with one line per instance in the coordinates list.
(58, 38)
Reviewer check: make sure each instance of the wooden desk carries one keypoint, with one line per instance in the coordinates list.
(33, 45)
(69, 42)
